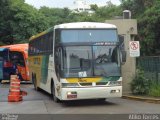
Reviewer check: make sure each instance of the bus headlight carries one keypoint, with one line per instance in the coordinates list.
(115, 83)
(70, 85)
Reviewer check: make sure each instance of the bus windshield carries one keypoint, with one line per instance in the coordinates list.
(106, 61)
(17, 58)
(89, 35)
(89, 61)
(78, 59)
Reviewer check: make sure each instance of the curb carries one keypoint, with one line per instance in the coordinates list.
(149, 100)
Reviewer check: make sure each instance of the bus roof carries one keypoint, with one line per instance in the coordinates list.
(42, 33)
(17, 47)
(82, 25)
(3, 49)
(79, 25)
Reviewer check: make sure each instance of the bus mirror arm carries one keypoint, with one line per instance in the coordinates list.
(123, 58)
(121, 41)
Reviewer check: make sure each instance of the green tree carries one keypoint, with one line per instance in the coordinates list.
(137, 7)
(5, 32)
(107, 12)
(94, 7)
(149, 24)
(56, 15)
(147, 12)
(21, 22)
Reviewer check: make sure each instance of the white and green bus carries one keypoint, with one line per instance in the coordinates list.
(74, 61)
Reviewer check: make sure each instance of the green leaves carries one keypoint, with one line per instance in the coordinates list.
(149, 29)
(147, 12)
(155, 90)
(22, 22)
(140, 85)
(19, 21)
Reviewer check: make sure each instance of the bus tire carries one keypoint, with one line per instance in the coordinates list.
(55, 99)
(34, 80)
(102, 99)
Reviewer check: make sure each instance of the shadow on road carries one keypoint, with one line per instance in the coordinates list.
(95, 102)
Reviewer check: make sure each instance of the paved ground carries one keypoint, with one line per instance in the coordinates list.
(41, 103)
(32, 94)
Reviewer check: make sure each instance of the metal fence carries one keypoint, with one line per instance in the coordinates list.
(151, 67)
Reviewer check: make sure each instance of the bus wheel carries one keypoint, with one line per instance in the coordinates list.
(102, 99)
(34, 80)
(55, 99)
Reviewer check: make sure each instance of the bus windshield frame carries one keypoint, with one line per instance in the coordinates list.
(90, 61)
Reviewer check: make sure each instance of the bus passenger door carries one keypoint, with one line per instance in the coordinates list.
(1, 68)
(17, 59)
(6, 67)
(58, 62)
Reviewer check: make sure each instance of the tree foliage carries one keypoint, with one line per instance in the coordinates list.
(147, 12)
(107, 12)
(5, 33)
(140, 84)
(149, 25)
(19, 21)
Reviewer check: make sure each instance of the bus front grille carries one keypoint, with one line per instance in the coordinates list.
(101, 83)
(91, 84)
(86, 84)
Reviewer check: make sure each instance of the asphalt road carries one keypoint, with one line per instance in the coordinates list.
(39, 102)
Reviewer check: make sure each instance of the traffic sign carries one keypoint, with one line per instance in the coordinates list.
(134, 48)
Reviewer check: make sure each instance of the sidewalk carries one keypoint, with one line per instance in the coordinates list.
(148, 99)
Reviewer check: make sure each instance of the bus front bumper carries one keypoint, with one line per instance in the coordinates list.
(90, 93)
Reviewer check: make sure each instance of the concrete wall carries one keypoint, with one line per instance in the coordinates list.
(127, 28)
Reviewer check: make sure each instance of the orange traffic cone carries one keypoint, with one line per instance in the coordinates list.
(14, 92)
